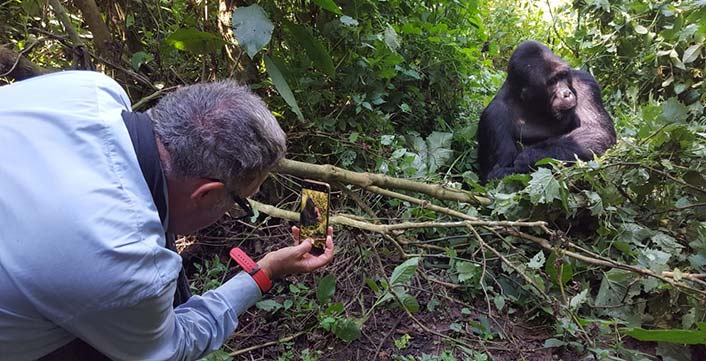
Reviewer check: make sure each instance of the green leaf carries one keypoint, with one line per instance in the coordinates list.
(499, 302)
(689, 337)
(282, 87)
(252, 28)
(404, 272)
(194, 41)
(566, 270)
(140, 58)
(329, 5)
(348, 21)
(674, 111)
(467, 271)
(543, 187)
(334, 309)
(372, 284)
(691, 54)
(218, 355)
(408, 301)
(537, 261)
(432, 153)
(32, 7)
(641, 29)
(553, 342)
(326, 288)
(346, 329)
(595, 203)
(327, 323)
(315, 50)
(269, 305)
(391, 39)
(578, 300)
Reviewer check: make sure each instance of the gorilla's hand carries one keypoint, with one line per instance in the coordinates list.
(524, 162)
(500, 172)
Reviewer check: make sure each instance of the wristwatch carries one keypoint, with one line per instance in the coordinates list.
(253, 269)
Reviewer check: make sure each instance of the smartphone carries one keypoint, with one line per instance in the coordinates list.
(314, 213)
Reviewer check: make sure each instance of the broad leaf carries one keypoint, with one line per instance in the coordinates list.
(348, 21)
(326, 288)
(499, 302)
(404, 272)
(252, 28)
(691, 54)
(553, 342)
(194, 41)
(282, 87)
(140, 58)
(219, 355)
(578, 300)
(674, 111)
(551, 268)
(347, 330)
(408, 301)
(689, 337)
(537, 261)
(543, 187)
(315, 50)
(329, 5)
(432, 153)
(467, 271)
(641, 29)
(391, 39)
(269, 305)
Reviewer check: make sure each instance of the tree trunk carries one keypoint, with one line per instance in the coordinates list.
(16, 67)
(106, 48)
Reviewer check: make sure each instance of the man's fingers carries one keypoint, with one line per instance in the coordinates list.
(328, 252)
(295, 233)
(304, 247)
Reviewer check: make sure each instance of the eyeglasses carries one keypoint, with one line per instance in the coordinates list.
(241, 208)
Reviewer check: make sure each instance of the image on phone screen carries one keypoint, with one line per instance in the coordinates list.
(314, 213)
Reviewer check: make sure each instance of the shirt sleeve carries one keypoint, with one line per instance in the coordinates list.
(153, 330)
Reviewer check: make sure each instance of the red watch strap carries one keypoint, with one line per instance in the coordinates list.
(248, 265)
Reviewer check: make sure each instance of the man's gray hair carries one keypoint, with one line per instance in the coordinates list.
(218, 130)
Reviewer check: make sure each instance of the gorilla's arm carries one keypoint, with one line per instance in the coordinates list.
(496, 145)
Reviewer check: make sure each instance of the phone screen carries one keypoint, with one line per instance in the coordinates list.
(314, 213)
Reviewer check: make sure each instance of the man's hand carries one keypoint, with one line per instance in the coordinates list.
(296, 259)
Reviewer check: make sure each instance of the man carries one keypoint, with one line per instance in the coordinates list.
(88, 190)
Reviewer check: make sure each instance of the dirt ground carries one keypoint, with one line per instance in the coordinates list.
(279, 336)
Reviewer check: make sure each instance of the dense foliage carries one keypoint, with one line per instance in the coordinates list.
(396, 87)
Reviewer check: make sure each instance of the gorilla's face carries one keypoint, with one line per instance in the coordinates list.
(542, 79)
(562, 96)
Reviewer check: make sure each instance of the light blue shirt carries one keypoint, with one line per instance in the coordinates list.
(81, 244)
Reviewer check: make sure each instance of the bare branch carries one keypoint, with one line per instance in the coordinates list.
(332, 173)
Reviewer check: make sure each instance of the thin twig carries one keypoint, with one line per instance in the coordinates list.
(271, 343)
(152, 96)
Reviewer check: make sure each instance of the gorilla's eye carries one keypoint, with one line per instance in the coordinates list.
(558, 77)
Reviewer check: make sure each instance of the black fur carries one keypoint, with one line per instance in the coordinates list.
(544, 109)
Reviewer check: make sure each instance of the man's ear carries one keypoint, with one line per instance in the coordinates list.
(207, 193)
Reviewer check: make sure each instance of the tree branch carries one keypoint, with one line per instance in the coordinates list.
(332, 173)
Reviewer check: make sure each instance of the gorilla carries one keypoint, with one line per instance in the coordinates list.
(545, 109)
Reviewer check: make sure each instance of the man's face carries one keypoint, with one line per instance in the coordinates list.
(205, 207)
